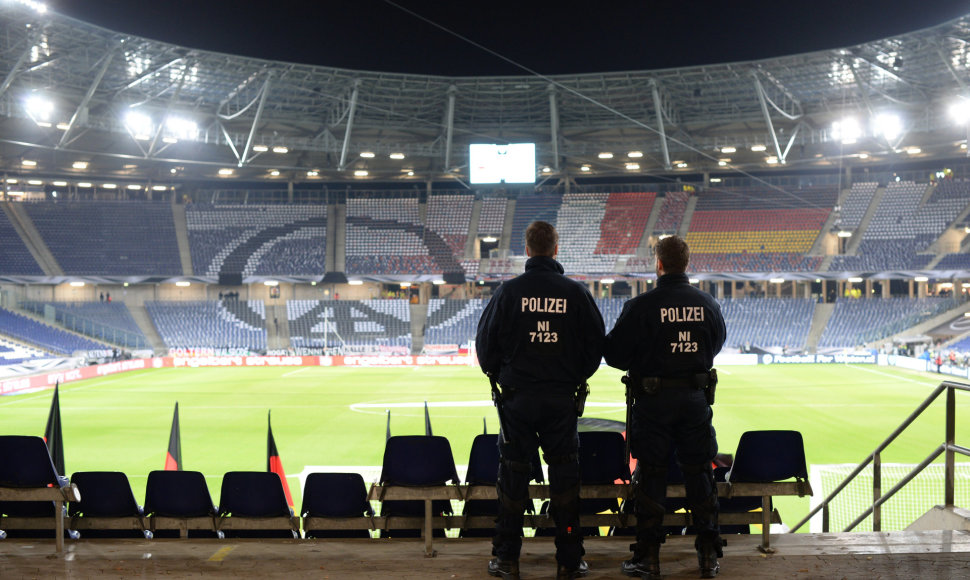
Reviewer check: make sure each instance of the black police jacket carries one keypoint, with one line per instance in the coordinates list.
(672, 331)
(540, 330)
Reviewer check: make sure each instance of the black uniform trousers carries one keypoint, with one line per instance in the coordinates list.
(673, 418)
(533, 420)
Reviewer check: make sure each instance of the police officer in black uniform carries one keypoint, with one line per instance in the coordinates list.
(666, 339)
(540, 337)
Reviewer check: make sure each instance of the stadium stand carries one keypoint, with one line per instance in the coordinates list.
(108, 321)
(353, 325)
(858, 321)
(856, 204)
(452, 322)
(768, 322)
(450, 217)
(12, 353)
(580, 216)
(15, 258)
(44, 336)
(491, 220)
(225, 324)
(109, 237)
(529, 208)
(624, 222)
(257, 239)
(671, 212)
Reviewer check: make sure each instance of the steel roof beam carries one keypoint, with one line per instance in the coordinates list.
(87, 98)
(350, 124)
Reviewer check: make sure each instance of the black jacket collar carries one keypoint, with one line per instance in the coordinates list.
(671, 279)
(543, 263)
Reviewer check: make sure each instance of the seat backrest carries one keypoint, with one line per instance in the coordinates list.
(178, 494)
(104, 494)
(602, 457)
(255, 494)
(335, 495)
(766, 456)
(418, 460)
(25, 462)
(484, 459)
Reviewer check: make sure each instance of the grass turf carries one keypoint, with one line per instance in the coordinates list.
(335, 416)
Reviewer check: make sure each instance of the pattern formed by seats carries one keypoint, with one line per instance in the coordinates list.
(44, 336)
(257, 239)
(222, 324)
(450, 216)
(856, 205)
(767, 322)
(491, 219)
(579, 219)
(109, 237)
(530, 208)
(13, 353)
(623, 225)
(671, 212)
(382, 326)
(15, 259)
(856, 321)
(452, 322)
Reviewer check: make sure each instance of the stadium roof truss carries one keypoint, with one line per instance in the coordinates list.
(138, 108)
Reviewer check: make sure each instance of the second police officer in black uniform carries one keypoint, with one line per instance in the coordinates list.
(540, 337)
(666, 339)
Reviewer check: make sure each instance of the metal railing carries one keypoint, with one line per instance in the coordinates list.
(949, 447)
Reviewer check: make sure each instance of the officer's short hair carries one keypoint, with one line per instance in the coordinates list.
(541, 238)
(674, 254)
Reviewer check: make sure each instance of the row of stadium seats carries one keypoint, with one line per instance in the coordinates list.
(44, 336)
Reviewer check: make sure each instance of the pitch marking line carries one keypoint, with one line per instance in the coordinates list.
(366, 407)
(897, 377)
(221, 553)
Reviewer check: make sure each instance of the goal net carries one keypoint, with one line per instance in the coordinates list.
(906, 506)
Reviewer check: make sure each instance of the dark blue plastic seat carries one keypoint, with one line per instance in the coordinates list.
(182, 496)
(253, 504)
(107, 508)
(417, 460)
(335, 495)
(25, 464)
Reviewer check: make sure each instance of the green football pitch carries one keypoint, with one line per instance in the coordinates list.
(336, 416)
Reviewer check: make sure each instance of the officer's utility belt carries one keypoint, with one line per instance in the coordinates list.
(706, 381)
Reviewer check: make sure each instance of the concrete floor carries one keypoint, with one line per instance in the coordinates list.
(909, 555)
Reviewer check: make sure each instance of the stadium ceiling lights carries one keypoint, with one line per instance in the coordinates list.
(260, 148)
(275, 173)
(607, 281)
(489, 239)
(28, 163)
(159, 188)
(921, 279)
(960, 111)
(777, 280)
(225, 172)
(889, 125)
(758, 148)
(396, 155)
(40, 109)
(140, 125)
(367, 154)
(77, 284)
(715, 180)
(847, 131)
(361, 173)
(729, 149)
(913, 150)
(584, 168)
(635, 154)
(80, 165)
(605, 155)
(632, 166)
(281, 150)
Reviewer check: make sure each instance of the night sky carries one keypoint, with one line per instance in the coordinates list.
(547, 37)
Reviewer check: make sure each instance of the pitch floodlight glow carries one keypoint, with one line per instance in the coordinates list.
(139, 124)
(847, 131)
(888, 125)
(39, 108)
(182, 128)
(960, 111)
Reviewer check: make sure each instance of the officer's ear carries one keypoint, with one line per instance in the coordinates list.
(660, 267)
(555, 251)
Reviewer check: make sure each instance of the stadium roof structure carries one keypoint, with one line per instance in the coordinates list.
(80, 101)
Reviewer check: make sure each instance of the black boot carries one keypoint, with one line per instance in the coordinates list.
(645, 562)
(566, 573)
(708, 551)
(504, 569)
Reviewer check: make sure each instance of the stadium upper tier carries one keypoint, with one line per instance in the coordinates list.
(132, 108)
(903, 226)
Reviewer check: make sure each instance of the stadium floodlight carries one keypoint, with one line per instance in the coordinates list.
(410, 174)
(724, 161)
(80, 165)
(758, 148)
(40, 7)
(863, 156)
(694, 280)
(170, 140)
(12, 180)
(889, 125)
(847, 131)
(62, 126)
(182, 128)
(605, 155)
(59, 183)
(771, 160)
(183, 283)
(729, 149)
(405, 284)
(140, 125)
(39, 108)
(134, 186)
(312, 173)
(584, 168)
(682, 164)
(960, 111)
(547, 169)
